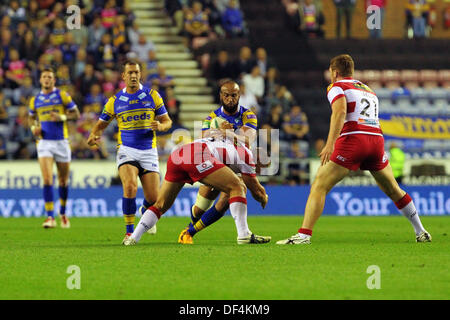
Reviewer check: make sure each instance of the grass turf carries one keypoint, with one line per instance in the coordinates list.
(34, 261)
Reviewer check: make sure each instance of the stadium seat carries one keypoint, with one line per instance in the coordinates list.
(438, 93)
(407, 76)
(390, 78)
(358, 75)
(371, 76)
(429, 78)
(443, 76)
(383, 93)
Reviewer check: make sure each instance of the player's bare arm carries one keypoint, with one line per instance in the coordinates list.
(338, 113)
(97, 132)
(162, 123)
(257, 190)
(72, 114)
(34, 126)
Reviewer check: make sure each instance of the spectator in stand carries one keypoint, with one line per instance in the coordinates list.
(119, 35)
(16, 70)
(283, 98)
(295, 125)
(69, 49)
(86, 80)
(109, 14)
(128, 13)
(314, 152)
(417, 12)
(81, 34)
(56, 13)
(381, 4)
(20, 30)
(311, 19)
(254, 82)
(29, 48)
(344, 9)
(106, 55)
(142, 48)
(80, 63)
(25, 92)
(133, 34)
(5, 46)
(96, 32)
(151, 63)
(3, 153)
(94, 101)
(262, 61)
(196, 22)
(58, 31)
(271, 82)
(233, 21)
(5, 103)
(163, 81)
(40, 32)
(176, 10)
(16, 12)
(22, 134)
(173, 107)
(32, 14)
(222, 68)
(248, 100)
(244, 64)
(63, 80)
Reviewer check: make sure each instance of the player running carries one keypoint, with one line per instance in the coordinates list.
(48, 115)
(237, 123)
(355, 141)
(140, 112)
(212, 161)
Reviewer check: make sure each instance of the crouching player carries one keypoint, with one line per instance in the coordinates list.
(213, 162)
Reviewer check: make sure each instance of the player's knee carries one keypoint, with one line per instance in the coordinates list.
(238, 187)
(130, 189)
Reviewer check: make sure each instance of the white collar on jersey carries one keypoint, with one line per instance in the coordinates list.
(124, 90)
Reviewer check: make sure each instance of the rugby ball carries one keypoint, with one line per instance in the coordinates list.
(216, 122)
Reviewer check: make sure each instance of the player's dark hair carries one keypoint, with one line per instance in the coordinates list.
(48, 69)
(343, 64)
(131, 62)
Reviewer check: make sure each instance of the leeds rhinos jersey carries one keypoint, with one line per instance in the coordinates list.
(134, 113)
(236, 156)
(362, 106)
(243, 117)
(43, 104)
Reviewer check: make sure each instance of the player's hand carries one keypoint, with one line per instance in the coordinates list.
(264, 200)
(36, 131)
(93, 140)
(156, 126)
(226, 125)
(325, 154)
(55, 116)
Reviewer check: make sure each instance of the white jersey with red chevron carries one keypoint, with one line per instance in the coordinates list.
(237, 157)
(362, 106)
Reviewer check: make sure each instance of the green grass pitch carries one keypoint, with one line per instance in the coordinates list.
(34, 261)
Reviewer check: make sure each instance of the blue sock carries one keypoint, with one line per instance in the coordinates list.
(145, 205)
(48, 199)
(63, 194)
(208, 218)
(129, 211)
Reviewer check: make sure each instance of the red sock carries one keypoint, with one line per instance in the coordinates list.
(305, 231)
(155, 211)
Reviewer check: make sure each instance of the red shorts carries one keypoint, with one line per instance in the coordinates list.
(360, 151)
(190, 163)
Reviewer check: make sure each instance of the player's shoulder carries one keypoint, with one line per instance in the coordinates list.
(247, 112)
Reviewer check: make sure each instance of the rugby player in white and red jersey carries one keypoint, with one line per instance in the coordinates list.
(355, 141)
(214, 162)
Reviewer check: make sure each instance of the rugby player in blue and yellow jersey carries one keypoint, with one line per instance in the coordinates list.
(241, 124)
(48, 115)
(139, 112)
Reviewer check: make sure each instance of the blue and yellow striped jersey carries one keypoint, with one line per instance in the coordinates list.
(134, 113)
(43, 104)
(243, 117)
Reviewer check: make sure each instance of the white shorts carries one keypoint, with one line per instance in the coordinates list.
(57, 149)
(146, 159)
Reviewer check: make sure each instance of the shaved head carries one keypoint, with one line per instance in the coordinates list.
(229, 96)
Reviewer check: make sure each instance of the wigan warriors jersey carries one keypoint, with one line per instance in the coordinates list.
(236, 156)
(362, 106)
